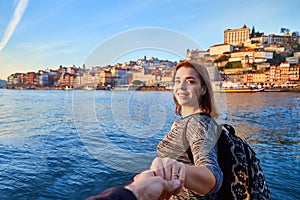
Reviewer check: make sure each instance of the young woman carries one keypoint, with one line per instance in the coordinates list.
(200, 175)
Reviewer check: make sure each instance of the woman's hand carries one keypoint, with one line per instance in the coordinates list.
(169, 169)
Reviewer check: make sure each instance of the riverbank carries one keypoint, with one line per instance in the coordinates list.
(161, 88)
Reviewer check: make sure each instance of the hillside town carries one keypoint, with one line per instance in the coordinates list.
(246, 57)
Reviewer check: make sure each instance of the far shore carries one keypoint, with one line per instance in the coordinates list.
(140, 88)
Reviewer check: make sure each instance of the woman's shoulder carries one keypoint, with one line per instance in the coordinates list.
(197, 118)
(196, 127)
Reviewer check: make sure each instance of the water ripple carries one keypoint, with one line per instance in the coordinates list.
(42, 155)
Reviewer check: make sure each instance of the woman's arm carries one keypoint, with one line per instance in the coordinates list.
(199, 179)
(205, 175)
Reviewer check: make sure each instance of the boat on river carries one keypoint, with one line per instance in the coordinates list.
(230, 87)
(89, 88)
(276, 90)
(142, 88)
(239, 90)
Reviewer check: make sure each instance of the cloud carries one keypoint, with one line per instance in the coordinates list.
(18, 13)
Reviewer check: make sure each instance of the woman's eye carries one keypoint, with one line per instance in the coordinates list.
(190, 81)
(177, 81)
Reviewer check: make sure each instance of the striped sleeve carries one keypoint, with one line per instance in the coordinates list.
(204, 148)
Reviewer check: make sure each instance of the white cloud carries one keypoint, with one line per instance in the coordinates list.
(18, 13)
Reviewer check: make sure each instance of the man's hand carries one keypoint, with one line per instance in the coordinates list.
(148, 186)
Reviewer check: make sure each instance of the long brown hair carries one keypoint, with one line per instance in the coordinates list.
(206, 102)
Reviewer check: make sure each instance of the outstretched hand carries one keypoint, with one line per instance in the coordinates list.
(170, 170)
(148, 186)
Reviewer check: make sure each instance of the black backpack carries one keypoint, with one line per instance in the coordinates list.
(243, 177)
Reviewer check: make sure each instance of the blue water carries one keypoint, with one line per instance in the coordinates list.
(74, 144)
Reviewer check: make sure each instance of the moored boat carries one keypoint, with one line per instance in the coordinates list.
(276, 90)
(232, 87)
(89, 88)
(239, 90)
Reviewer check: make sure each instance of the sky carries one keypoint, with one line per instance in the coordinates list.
(44, 34)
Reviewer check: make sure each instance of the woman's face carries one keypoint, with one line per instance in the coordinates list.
(187, 87)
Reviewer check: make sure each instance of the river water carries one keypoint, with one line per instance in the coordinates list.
(74, 144)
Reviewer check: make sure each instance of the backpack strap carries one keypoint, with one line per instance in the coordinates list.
(229, 128)
(186, 143)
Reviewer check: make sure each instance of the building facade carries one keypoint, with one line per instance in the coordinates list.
(251, 56)
(236, 36)
(220, 49)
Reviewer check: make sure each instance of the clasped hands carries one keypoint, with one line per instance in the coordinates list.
(164, 179)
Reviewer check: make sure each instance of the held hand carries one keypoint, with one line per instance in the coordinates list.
(147, 186)
(169, 169)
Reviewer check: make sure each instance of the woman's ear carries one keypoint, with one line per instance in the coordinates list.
(203, 91)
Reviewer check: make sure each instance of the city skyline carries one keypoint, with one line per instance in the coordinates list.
(45, 34)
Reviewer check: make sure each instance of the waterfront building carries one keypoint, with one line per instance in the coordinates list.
(28, 79)
(146, 78)
(294, 73)
(31, 76)
(276, 48)
(248, 78)
(262, 66)
(53, 77)
(251, 56)
(10, 79)
(72, 70)
(166, 81)
(15, 80)
(195, 54)
(62, 69)
(219, 49)
(284, 72)
(294, 59)
(254, 43)
(277, 74)
(267, 76)
(236, 36)
(272, 73)
(66, 80)
(275, 39)
(130, 63)
(88, 79)
(19, 79)
(3, 83)
(234, 74)
(43, 78)
(36, 79)
(118, 76)
(256, 78)
(104, 77)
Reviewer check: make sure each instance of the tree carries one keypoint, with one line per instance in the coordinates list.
(252, 32)
(137, 82)
(277, 59)
(234, 64)
(221, 59)
(284, 30)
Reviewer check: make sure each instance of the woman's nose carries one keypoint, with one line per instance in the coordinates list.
(182, 85)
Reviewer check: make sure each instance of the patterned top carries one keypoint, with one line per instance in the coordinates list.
(201, 136)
